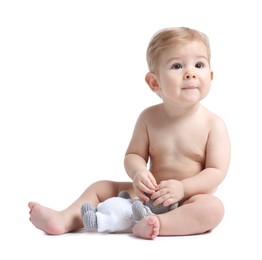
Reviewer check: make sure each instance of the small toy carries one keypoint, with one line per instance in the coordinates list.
(119, 214)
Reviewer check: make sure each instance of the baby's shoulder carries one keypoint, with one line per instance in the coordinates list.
(150, 114)
(152, 110)
(214, 120)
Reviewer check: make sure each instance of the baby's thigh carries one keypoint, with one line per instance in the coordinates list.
(127, 186)
(104, 189)
(206, 203)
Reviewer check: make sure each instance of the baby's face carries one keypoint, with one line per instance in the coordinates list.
(184, 74)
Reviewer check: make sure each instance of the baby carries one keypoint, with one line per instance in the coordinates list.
(179, 151)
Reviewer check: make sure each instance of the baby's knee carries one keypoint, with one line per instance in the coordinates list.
(104, 189)
(109, 185)
(214, 210)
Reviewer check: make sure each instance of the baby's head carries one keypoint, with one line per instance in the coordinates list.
(172, 37)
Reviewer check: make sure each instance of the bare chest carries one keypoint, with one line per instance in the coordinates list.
(178, 144)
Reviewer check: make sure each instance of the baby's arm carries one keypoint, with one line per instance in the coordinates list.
(143, 180)
(136, 159)
(217, 162)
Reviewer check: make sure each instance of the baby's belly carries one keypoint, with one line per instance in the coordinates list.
(178, 171)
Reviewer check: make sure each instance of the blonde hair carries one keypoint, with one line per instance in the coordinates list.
(168, 37)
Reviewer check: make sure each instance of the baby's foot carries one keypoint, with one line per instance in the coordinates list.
(46, 219)
(147, 228)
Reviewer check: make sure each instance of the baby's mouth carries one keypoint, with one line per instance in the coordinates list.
(190, 87)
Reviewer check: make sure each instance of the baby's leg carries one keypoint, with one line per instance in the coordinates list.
(68, 220)
(46, 219)
(197, 215)
(147, 228)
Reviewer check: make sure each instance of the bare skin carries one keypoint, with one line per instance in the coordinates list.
(189, 152)
(55, 222)
(46, 219)
(197, 215)
(147, 228)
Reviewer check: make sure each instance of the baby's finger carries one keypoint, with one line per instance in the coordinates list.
(161, 185)
(150, 186)
(141, 195)
(153, 181)
(145, 188)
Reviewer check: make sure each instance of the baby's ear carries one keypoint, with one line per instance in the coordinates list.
(212, 75)
(151, 80)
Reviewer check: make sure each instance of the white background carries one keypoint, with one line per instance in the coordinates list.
(71, 87)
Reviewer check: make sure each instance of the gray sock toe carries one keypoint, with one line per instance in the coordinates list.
(87, 207)
(90, 220)
(138, 210)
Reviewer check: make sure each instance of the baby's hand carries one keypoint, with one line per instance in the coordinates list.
(144, 182)
(168, 192)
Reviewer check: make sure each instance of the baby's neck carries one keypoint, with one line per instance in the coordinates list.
(181, 112)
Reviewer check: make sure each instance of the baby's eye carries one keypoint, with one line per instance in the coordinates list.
(176, 66)
(200, 65)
